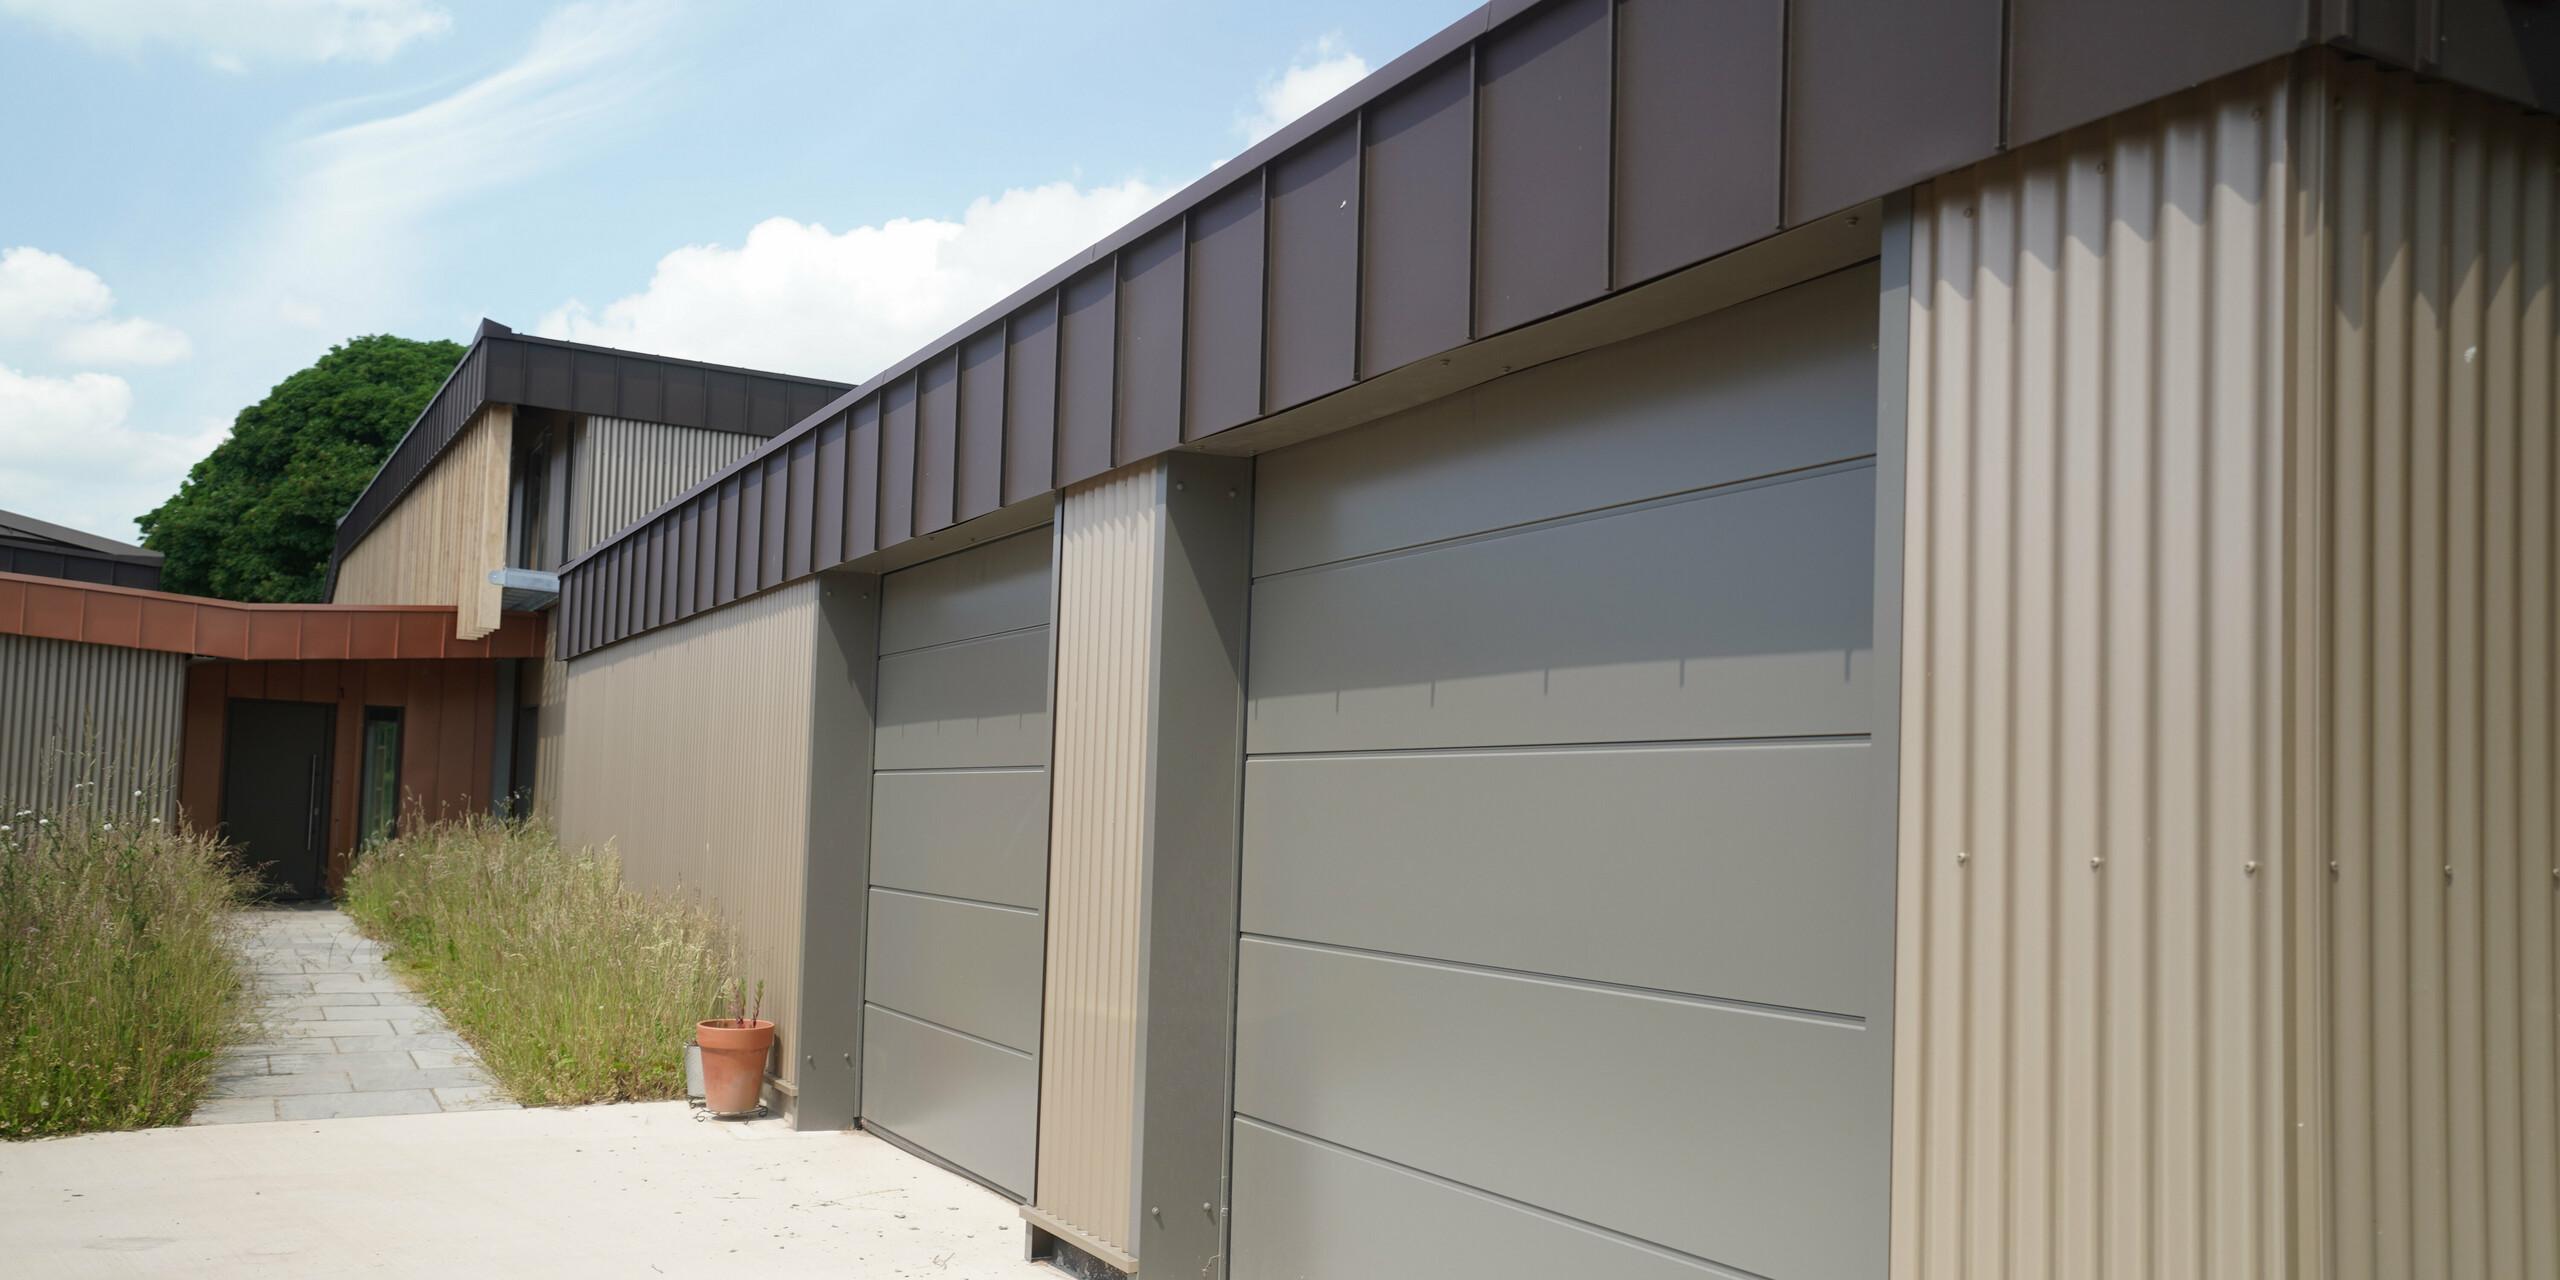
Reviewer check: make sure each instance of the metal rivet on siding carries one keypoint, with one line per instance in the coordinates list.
(2095, 863)
(2448, 871)
(1853, 219)
(1968, 211)
(1204, 1208)
(2248, 868)
(2102, 166)
(1961, 855)
(1231, 493)
(2333, 868)
(1179, 486)
(2257, 113)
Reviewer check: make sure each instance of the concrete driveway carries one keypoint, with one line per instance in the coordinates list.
(639, 1190)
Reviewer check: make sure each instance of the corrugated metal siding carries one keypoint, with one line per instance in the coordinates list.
(690, 754)
(74, 714)
(1528, 158)
(438, 546)
(1089, 1039)
(2442, 263)
(2093, 1071)
(626, 469)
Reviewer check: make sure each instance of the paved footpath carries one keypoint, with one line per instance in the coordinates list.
(343, 1036)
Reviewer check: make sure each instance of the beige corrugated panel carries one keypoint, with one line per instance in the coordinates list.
(89, 718)
(2092, 1066)
(1089, 1030)
(629, 469)
(688, 749)
(438, 544)
(551, 721)
(2442, 259)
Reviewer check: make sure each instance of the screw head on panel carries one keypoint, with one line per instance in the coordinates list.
(2095, 863)
(2248, 868)
(1961, 855)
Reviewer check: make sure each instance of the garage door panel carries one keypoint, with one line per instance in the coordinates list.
(1738, 613)
(1783, 382)
(966, 966)
(970, 1103)
(980, 833)
(1723, 1133)
(1002, 586)
(1302, 1208)
(978, 703)
(1729, 870)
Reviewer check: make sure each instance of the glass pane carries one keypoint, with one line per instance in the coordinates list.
(380, 807)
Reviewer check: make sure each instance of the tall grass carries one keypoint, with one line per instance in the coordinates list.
(118, 980)
(572, 988)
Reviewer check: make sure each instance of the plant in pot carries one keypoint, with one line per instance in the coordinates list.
(734, 1051)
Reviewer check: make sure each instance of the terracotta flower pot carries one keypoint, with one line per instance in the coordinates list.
(733, 1058)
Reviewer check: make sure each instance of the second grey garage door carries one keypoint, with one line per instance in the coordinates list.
(960, 859)
(1567, 916)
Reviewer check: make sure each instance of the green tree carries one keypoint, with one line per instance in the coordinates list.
(255, 520)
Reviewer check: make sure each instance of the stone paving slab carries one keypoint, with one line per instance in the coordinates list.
(343, 1036)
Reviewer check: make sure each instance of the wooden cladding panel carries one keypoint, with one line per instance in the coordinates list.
(439, 543)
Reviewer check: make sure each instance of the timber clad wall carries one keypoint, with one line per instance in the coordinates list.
(439, 544)
(73, 713)
(2099, 743)
(689, 752)
(1097, 853)
(2441, 262)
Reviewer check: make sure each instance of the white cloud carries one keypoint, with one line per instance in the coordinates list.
(349, 227)
(46, 296)
(1327, 68)
(233, 33)
(67, 453)
(798, 298)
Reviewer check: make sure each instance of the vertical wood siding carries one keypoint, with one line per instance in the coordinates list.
(89, 718)
(628, 469)
(688, 752)
(439, 544)
(2441, 766)
(2092, 1071)
(1089, 1038)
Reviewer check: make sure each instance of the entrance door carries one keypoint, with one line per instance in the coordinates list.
(275, 791)
(1567, 911)
(960, 860)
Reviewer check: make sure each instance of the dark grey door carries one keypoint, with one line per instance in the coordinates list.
(275, 791)
(960, 859)
(1567, 906)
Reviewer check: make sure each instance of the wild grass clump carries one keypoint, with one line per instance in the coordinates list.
(572, 988)
(119, 983)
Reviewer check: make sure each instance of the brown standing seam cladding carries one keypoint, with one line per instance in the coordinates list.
(1527, 159)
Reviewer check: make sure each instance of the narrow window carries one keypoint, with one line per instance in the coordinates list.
(378, 808)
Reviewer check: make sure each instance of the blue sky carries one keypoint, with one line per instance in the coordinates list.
(201, 198)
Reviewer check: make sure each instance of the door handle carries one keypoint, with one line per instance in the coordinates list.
(311, 825)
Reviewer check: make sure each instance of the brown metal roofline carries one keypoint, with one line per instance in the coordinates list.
(477, 382)
(93, 613)
(1481, 209)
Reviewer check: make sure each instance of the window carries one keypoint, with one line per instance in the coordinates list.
(378, 798)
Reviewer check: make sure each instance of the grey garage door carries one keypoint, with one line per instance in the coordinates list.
(1567, 915)
(960, 859)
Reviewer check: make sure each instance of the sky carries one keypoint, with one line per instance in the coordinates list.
(199, 197)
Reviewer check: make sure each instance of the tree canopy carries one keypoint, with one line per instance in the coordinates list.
(255, 520)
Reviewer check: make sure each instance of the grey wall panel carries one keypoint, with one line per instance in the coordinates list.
(1001, 586)
(1699, 99)
(1088, 327)
(970, 705)
(1306, 1208)
(937, 442)
(1737, 614)
(826, 536)
(1883, 96)
(2076, 61)
(862, 482)
(1222, 370)
(967, 966)
(979, 474)
(1314, 280)
(1031, 400)
(774, 544)
(967, 833)
(748, 550)
(1782, 382)
(1542, 164)
(1417, 192)
(90, 726)
(898, 462)
(1732, 1135)
(1732, 870)
(969, 1102)
(1149, 412)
